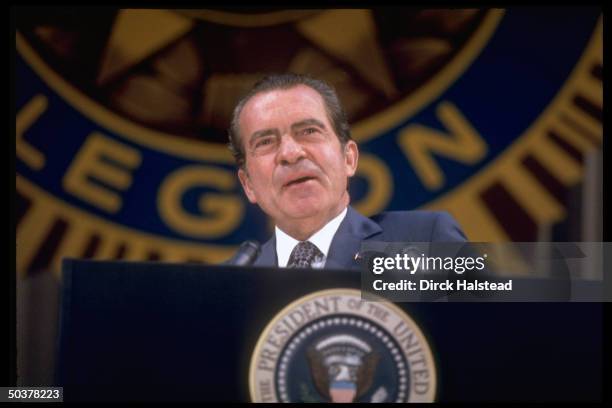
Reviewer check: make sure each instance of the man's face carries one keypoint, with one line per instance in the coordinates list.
(295, 166)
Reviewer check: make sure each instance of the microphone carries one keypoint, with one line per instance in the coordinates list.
(246, 254)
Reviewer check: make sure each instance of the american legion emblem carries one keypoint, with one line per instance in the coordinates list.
(332, 346)
(122, 115)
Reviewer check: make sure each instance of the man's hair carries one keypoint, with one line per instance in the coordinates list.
(335, 113)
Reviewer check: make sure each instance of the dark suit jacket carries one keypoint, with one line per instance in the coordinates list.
(393, 226)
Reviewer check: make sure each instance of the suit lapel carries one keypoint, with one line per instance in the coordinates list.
(268, 254)
(347, 241)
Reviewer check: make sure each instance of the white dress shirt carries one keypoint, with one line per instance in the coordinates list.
(322, 239)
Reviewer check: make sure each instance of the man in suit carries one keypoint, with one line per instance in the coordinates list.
(292, 143)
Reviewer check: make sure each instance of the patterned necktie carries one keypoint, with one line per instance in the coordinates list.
(303, 255)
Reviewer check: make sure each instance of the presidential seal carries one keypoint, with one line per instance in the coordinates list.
(332, 346)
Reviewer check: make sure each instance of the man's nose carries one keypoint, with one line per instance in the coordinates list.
(290, 151)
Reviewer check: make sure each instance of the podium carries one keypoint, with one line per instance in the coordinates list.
(150, 331)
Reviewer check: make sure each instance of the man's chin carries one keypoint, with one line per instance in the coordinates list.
(303, 209)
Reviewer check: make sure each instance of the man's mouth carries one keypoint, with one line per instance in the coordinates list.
(299, 181)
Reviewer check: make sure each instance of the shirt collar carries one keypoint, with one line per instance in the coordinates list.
(322, 239)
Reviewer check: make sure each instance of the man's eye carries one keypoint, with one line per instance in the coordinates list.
(263, 142)
(309, 131)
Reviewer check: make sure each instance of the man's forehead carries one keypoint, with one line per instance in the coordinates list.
(294, 100)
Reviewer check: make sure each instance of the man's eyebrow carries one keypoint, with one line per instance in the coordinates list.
(307, 122)
(261, 133)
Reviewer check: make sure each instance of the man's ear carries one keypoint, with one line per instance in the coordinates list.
(351, 157)
(243, 176)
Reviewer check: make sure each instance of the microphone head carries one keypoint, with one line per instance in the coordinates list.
(253, 245)
(247, 253)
